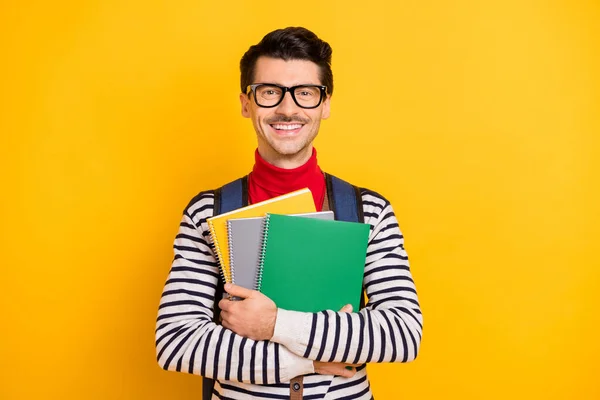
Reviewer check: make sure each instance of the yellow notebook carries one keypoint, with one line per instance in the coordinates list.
(300, 201)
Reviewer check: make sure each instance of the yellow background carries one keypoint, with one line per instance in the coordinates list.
(479, 120)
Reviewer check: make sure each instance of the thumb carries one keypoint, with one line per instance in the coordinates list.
(237, 291)
(347, 308)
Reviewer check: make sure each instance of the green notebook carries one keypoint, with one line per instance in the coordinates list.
(312, 265)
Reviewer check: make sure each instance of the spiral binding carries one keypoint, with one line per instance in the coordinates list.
(231, 260)
(211, 228)
(263, 251)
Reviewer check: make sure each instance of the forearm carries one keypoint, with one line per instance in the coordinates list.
(204, 348)
(389, 328)
(187, 339)
(355, 338)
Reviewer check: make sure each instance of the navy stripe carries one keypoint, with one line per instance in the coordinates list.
(192, 238)
(191, 281)
(172, 331)
(368, 214)
(414, 342)
(277, 377)
(336, 337)
(392, 335)
(375, 304)
(369, 323)
(193, 357)
(382, 250)
(217, 353)
(180, 303)
(197, 262)
(372, 204)
(252, 363)
(388, 227)
(229, 355)
(360, 337)
(204, 360)
(346, 385)
(186, 225)
(359, 394)
(324, 338)
(387, 238)
(241, 360)
(189, 293)
(253, 393)
(404, 344)
(313, 396)
(383, 340)
(390, 279)
(387, 257)
(386, 268)
(311, 338)
(406, 311)
(175, 336)
(200, 209)
(349, 340)
(189, 248)
(373, 294)
(188, 268)
(265, 378)
(179, 314)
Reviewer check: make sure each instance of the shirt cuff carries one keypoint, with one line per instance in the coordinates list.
(291, 365)
(291, 330)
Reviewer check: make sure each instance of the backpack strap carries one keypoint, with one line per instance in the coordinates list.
(345, 201)
(229, 197)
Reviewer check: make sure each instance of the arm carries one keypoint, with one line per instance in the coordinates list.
(388, 329)
(186, 338)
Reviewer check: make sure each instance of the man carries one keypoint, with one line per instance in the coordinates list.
(258, 350)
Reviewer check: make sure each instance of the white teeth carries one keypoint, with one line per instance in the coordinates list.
(287, 127)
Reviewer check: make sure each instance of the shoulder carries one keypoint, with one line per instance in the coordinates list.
(201, 207)
(374, 204)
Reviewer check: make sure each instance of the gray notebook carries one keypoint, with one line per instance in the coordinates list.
(245, 241)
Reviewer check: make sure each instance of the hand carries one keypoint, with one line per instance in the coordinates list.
(339, 369)
(253, 317)
(333, 368)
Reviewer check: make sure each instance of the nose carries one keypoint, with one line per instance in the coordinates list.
(287, 105)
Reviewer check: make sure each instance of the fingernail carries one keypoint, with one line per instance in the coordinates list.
(349, 368)
(227, 286)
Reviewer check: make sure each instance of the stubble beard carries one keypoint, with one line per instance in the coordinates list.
(289, 147)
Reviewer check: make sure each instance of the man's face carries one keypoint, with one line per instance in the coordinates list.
(285, 133)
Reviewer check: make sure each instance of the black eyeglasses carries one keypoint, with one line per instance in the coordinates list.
(269, 95)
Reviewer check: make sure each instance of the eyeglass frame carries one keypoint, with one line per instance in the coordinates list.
(291, 89)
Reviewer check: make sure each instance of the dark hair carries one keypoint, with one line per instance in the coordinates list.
(292, 43)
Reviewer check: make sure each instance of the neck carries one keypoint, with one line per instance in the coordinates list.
(286, 161)
(268, 180)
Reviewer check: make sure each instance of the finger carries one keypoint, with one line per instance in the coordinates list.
(225, 304)
(348, 373)
(224, 316)
(347, 308)
(238, 291)
(226, 325)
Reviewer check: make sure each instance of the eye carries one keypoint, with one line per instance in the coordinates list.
(269, 91)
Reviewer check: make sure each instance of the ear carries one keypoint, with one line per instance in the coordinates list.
(326, 107)
(245, 102)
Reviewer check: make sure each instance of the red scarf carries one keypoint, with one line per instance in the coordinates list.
(267, 181)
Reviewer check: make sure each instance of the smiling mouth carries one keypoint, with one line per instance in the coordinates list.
(286, 127)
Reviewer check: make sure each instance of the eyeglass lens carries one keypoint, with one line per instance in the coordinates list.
(305, 96)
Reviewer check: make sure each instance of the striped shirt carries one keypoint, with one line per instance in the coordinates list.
(388, 329)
